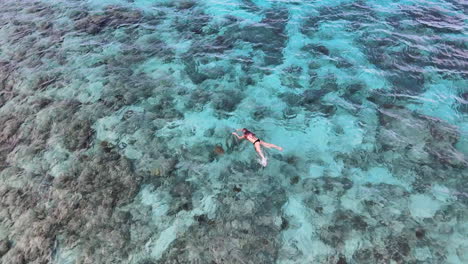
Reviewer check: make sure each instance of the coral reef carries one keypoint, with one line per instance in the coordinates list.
(84, 214)
(112, 17)
(268, 35)
(116, 121)
(227, 100)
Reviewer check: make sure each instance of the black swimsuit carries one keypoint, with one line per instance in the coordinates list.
(252, 134)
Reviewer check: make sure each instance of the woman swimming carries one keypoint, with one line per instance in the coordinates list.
(257, 143)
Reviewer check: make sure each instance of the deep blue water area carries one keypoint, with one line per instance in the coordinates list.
(116, 121)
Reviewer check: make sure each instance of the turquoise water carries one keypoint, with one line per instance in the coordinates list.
(116, 119)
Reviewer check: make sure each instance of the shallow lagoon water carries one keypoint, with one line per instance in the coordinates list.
(116, 120)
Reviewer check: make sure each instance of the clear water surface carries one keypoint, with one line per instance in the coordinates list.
(116, 120)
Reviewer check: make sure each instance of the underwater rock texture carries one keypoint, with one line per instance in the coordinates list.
(116, 121)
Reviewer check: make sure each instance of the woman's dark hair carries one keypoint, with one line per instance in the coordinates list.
(246, 131)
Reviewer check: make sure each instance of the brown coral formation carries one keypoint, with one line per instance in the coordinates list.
(77, 206)
(218, 150)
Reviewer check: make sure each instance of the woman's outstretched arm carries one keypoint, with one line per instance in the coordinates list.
(238, 137)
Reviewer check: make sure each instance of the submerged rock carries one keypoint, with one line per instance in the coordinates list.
(231, 143)
(193, 72)
(227, 100)
(312, 96)
(316, 49)
(289, 113)
(419, 136)
(269, 35)
(78, 135)
(185, 4)
(218, 150)
(5, 245)
(113, 17)
(420, 233)
(291, 76)
(291, 99)
(261, 112)
(252, 227)
(197, 100)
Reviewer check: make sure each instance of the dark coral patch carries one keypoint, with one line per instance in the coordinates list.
(113, 17)
(227, 100)
(78, 135)
(269, 35)
(420, 233)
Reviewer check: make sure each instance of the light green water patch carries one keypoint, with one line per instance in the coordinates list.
(423, 206)
(373, 78)
(292, 52)
(318, 134)
(260, 96)
(316, 171)
(77, 88)
(341, 43)
(332, 3)
(195, 124)
(313, 141)
(168, 228)
(457, 254)
(160, 70)
(273, 82)
(293, 55)
(10, 177)
(180, 225)
(319, 138)
(112, 49)
(58, 159)
(369, 122)
(335, 167)
(296, 39)
(328, 69)
(442, 193)
(106, 127)
(350, 135)
(149, 4)
(99, 4)
(264, 4)
(92, 92)
(171, 228)
(439, 101)
(219, 9)
(242, 49)
(392, 5)
(354, 197)
(462, 144)
(353, 243)
(329, 205)
(205, 203)
(299, 238)
(351, 200)
(377, 175)
(158, 200)
(179, 44)
(66, 255)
